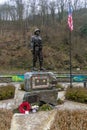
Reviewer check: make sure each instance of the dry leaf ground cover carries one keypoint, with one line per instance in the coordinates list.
(5, 119)
(70, 120)
(64, 120)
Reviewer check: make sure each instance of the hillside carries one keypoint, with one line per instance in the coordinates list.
(15, 51)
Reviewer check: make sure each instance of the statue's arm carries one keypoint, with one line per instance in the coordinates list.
(32, 43)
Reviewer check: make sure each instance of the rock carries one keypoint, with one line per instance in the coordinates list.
(37, 121)
(61, 95)
(18, 97)
(71, 105)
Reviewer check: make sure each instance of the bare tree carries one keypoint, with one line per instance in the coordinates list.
(27, 7)
(36, 12)
(4, 12)
(13, 13)
(20, 9)
(75, 4)
(60, 9)
(52, 7)
(43, 10)
(85, 3)
(33, 10)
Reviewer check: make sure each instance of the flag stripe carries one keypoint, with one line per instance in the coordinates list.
(70, 19)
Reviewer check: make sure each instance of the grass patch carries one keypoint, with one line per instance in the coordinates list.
(70, 120)
(7, 92)
(77, 94)
(5, 119)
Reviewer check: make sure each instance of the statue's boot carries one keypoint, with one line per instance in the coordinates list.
(34, 66)
(41, 66)
(35, 69)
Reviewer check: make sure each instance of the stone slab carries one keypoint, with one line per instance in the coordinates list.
(37, 121)
(48, 96)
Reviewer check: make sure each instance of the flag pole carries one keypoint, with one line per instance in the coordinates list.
(70, 24)
(70, 55)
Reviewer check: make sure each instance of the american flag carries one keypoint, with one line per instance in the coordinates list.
(70, 19)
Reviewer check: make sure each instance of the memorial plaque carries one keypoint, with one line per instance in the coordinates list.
(40, 82)
(32, 98)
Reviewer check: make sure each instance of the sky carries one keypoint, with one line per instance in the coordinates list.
(2, 1)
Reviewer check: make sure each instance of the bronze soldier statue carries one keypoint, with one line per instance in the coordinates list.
(36, 49)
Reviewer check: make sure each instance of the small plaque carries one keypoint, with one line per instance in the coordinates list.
(32, 98)
(40, 82)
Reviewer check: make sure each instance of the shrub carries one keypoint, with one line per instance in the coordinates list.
(7, 92)
(83, 30)
(45, 107)
(16, 110)
(59, 101)
(60, 87)
(77, 94)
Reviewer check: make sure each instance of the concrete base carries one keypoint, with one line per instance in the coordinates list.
(48, 96)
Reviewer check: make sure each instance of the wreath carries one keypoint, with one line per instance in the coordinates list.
(25, 106)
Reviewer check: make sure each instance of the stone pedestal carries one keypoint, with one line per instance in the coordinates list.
(40, 86)
(39, 80)
(47, 96)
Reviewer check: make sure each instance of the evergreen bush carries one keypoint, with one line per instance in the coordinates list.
(77, 94)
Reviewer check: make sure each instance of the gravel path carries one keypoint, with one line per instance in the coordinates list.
(70, 105)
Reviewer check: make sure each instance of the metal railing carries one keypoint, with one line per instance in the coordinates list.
(61, 77)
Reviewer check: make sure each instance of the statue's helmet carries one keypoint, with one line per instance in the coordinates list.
(37, 30)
